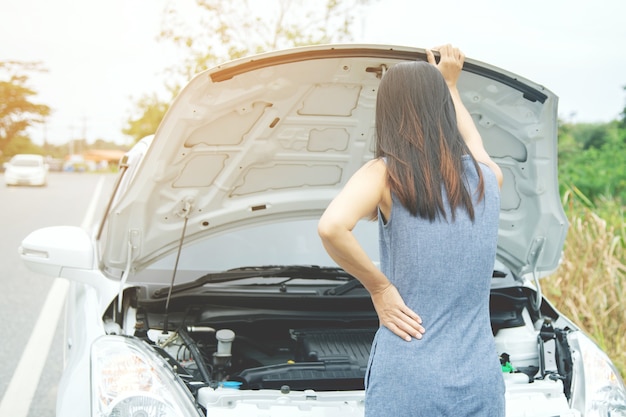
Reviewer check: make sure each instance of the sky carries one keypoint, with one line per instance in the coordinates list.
(102, 56)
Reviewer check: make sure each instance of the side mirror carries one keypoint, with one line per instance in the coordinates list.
(50, 250)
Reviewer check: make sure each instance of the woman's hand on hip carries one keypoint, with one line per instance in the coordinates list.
(394, 314)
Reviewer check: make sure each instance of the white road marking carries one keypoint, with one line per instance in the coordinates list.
(21, 390)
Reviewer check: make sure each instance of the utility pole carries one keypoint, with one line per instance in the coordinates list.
(71, 141)
(45, 137)
(84, 132)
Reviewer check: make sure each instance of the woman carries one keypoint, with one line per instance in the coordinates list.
(435, 192)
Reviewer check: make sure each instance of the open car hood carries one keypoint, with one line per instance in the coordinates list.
(277, 135)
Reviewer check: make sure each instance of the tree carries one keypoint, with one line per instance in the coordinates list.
(216, 31)
(591, 160)
(20, 144)
(17, 111)
(151, 111)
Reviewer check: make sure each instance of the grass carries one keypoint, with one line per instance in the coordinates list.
(590, 285)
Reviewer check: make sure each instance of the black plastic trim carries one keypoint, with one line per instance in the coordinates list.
(530, 93)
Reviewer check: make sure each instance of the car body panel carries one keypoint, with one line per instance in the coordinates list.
(258, 140)
(83, 325)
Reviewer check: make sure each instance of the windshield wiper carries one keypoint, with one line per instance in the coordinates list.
(265, 271)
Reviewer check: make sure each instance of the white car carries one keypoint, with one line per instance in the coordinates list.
(205, 290)
(26, 169)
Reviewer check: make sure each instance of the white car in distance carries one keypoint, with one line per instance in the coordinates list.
(26, 169)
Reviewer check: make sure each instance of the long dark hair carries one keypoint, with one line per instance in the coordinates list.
(417, 134)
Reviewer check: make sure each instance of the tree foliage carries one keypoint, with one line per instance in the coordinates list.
(151, 111)
(17, 110)
(209, 32)
(592, 160)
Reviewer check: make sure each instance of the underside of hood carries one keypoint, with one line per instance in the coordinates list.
(276, 136)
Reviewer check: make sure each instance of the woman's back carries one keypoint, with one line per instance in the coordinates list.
(443, 270)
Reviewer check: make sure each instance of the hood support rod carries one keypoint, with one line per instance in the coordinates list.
(184, 212)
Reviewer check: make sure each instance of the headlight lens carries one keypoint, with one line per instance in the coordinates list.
(601, 392)
(128, 379)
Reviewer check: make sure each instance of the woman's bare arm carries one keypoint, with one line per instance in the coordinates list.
(450, 65)
(358, 199)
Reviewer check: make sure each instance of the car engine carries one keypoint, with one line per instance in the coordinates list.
(312, 347)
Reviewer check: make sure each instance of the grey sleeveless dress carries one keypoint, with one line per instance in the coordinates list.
(443, 272)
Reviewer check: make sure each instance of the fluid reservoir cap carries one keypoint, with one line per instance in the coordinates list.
(230, 384)
(225, 335)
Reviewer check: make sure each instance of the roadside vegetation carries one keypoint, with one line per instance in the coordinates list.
(590, 285)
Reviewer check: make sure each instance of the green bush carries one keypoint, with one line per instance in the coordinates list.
(591, 159)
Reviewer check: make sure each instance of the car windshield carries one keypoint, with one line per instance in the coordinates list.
(293, 242)
(25, 163)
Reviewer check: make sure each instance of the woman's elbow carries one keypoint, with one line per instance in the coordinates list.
(327, 229)
(324, 229)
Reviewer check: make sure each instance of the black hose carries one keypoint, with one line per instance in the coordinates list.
(195, 354)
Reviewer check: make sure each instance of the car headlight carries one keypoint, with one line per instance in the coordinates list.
(128, 379)
(597, 387)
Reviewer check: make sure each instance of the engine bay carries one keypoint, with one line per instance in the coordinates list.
(320, 345)
(272, 353)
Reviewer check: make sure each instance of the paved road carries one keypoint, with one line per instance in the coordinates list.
(22, 209)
